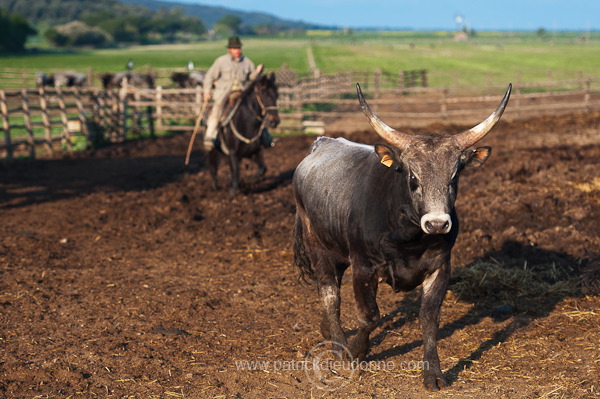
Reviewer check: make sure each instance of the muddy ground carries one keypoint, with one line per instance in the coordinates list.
(124, 275)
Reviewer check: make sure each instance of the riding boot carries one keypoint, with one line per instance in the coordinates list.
(266, 139)
(210, 135)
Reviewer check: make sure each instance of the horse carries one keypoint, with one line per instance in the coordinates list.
(240, 133)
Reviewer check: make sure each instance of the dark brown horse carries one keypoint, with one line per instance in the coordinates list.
(241, 131)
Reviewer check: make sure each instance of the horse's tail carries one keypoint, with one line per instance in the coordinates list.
(301, 258)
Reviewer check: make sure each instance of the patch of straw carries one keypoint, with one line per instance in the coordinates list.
(492, 281)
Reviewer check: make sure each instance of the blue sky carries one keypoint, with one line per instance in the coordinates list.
(430, 14)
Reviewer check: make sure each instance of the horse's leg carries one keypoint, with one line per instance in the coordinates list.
(234, 163)
(213, 166)
(259, 159)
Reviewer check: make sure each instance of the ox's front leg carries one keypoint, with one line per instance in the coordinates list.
(434, 290)
(364, 281)
(328, 283)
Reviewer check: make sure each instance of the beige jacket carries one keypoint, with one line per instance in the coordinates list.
(225, 72)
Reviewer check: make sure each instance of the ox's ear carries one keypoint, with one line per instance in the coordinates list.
(385, 154)
(476, 157)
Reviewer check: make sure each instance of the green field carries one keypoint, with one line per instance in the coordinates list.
(489, 58)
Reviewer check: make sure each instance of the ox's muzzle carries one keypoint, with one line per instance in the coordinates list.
(436, 223)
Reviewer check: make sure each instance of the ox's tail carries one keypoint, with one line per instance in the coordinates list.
(301, 259)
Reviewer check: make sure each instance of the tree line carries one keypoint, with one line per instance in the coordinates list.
(102, 23)
(102, 28)
(14, 31)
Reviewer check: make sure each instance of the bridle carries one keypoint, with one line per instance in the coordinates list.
(262, 117)
(264, 109)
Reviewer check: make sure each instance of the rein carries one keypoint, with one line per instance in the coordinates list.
(260, 117)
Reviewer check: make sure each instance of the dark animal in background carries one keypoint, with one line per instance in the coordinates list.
(116, 80)
(67, 79)
(388, 212)
(42, 79)
(240, 136)
(77, 80)
(188, 80)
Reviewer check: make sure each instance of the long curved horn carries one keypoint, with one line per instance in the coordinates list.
(392, 136)
(469, 137)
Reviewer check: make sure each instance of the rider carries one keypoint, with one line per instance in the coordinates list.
(230, 72)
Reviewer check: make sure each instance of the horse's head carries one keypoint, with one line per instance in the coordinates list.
(266, 94)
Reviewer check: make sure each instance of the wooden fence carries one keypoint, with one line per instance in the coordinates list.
(18, 78)
(45, 120)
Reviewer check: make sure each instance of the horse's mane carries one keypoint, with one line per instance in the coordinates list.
(251, 86)
(257, 80)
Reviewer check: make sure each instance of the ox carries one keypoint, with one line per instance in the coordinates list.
(388, 211)
(116, 80)
(188, 80)
(67, 78)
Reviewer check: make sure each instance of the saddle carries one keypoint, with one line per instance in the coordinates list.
(229, 103)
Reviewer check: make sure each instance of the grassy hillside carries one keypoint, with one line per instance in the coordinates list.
(478, 62)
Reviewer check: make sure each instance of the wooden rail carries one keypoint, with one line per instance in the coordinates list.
(42, 120)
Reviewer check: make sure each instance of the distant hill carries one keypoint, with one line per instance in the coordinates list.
(211, 14)
(51, 13)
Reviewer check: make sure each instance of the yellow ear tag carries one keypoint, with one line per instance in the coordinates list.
(387, 161)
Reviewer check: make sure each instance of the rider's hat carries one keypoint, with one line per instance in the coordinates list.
(234, 42)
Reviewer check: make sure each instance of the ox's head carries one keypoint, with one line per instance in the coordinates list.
(431, 163)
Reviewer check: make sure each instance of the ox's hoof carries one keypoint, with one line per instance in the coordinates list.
(435, 382)
(359, 349)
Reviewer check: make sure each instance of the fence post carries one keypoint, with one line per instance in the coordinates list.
(376, 87)
(377, 80)
(46, 119)
(586, 96)
(27, 120)
(6, 126)
(63, 116)
(136, 123)
(159, 97)
(81, 112)
(115, 118)
(444, 104)
(123, 110)
(100, 99)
